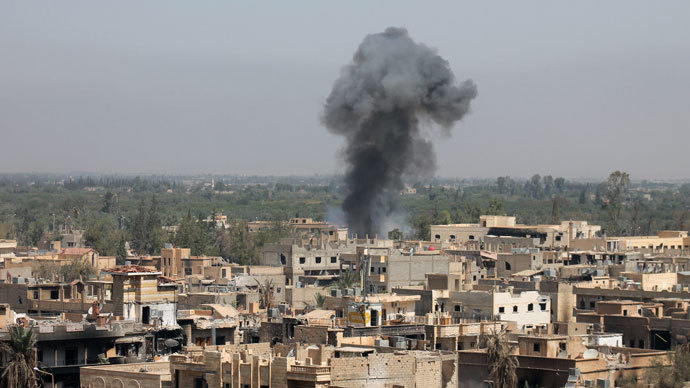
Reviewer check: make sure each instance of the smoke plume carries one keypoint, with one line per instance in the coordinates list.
(379, 99)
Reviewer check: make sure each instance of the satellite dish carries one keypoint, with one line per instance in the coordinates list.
(171, 343)
(590, 353)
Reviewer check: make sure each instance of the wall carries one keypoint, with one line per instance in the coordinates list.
(298, 297)
(129, 375)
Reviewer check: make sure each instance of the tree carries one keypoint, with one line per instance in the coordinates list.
(395, 234)
(422, 226)
(556, 209)
(495, 207)
(77, 269)
(347, 279)
(109, 200)
(147, 235)
(559, 183)
(502, 183)
(20, 354)
(614, 193)
(153, 225)
(121, 254)
(35, 233)
(319, 300)
(265, 293)
(673, 374)
(502, 365)
(548, 185)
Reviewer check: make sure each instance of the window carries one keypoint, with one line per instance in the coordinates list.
(220, 340)
(542, 306)
(515, 309)
(283, 260)
(334, 259)
(625, 312)
(591, 304)
(71, 355)
(632, 343)
(457, 307)
(530, 307)
(452, 237)
(35, 295)
(641, 343)
(537, 348)
(474, 278)
(302, 260)
(318, 260)
(558, 238)
(54, 294)
(224, 272)
(278, 290)
(383, 269)
(507, 266)
(501, 310)
(471, 237)
(187, 271)
(561, 346)
(437, 237)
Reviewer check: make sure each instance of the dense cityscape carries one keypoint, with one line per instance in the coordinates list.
(344, 195)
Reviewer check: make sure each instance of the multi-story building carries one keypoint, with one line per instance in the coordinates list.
(138, 295)
(171, 261)
(258, 365)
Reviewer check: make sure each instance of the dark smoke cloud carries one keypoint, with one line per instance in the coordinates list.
(377, 103)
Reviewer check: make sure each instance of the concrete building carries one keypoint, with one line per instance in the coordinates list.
(390, 268)
(257, 365)
(138, 295)
(140, 375)
(319, 262)
(491, 227)
(559, 361)
(171, 261)
(527, 309)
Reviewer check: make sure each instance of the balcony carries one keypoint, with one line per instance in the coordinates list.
(314, 373)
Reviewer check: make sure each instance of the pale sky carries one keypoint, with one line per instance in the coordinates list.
(573, 89)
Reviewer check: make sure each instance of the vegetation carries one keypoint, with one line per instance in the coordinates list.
(347, 279)
(502, 366)
(319, 300)
(675, 375)
(19, 352)
(265, 293)
(116, 210)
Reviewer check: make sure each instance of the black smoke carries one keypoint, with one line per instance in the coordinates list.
(377, 104)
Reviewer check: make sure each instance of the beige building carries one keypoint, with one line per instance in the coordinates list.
(549, 236)
(137, 375)
(318, 366)
(137, 295)
(171, 261)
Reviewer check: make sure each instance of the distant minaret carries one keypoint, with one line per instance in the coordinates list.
(213, 184)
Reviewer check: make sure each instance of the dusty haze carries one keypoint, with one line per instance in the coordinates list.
(576, 90)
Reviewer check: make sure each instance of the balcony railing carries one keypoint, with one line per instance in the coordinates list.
(311, 369)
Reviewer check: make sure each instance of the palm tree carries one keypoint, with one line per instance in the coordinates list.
(266, 293)
(502, 365)
(20, 351)
(347, 279)
(319, 299)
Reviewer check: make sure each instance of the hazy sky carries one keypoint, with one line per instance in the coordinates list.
(576, 89)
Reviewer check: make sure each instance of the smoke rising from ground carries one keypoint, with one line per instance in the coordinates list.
(377, 104)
